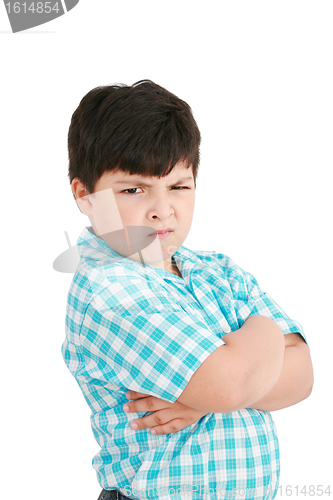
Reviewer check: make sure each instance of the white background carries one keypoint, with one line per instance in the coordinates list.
(258, 76)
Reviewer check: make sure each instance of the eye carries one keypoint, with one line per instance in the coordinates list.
(180, 187)
(130, 189)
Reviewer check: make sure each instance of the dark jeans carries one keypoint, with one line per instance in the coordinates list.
(112, 495)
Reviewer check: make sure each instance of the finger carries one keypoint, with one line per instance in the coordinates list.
(136, 395)
(170, 427)
(149, 403)
(154, 419)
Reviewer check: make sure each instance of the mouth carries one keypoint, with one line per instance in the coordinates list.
(163, 233)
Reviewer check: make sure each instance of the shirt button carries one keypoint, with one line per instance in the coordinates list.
(226, 328)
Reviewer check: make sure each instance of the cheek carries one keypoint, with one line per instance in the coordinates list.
(185, 220)
(129, 214)
(187, 210)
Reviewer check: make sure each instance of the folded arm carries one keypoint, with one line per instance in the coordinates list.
(240, 372)
(296, 378)
(236, 374)
(258, 367)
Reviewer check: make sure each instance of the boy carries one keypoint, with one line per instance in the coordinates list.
(202, 353)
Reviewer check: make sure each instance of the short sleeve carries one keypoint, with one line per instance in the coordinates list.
(143, 347)
(260, 303)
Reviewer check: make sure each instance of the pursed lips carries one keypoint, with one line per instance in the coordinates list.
(162, 231)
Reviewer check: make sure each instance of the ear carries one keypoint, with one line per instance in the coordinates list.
(82, 197)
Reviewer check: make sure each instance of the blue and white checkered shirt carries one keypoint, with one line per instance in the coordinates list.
(141, 328)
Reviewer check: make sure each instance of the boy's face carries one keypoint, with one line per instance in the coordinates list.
(121, 200)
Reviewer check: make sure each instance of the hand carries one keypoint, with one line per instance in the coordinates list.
(167, 417)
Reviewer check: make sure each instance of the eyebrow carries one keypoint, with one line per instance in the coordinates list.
(141, 183)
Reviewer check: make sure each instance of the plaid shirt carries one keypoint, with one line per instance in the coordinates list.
(136, 327)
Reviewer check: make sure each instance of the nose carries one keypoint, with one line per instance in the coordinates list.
(160, 207)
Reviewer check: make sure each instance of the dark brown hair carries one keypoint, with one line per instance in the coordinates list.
(140, 129)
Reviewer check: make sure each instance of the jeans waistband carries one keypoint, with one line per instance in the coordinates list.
(112, 495)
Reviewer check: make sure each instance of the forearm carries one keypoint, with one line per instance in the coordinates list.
(294, 384)
(258, 354)
(240, 372)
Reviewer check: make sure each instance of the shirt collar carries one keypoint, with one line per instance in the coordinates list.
(98, 252)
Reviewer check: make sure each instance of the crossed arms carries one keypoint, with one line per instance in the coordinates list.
(258, 367)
